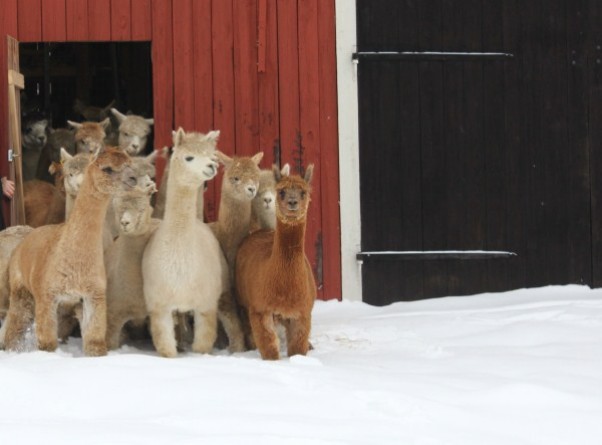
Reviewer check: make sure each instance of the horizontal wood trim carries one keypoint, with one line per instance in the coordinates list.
(430, 55)
(433, 255)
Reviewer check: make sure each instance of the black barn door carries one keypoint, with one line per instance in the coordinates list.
(476, 144)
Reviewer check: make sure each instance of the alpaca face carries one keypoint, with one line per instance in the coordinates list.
(34, 134)
(293, 196)
(133, 213)
(241, 179)
(133, 134)
(73, 171)
(113, 172)
(194, 158)
(89, 136)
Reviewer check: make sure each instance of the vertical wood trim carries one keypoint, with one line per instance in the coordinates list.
(346, 44)
(288, 78)
(262, 12)
(30, 20)
(99, 20)
(308, 150)
(121, 14)
(245, 76)
(269, 118)
(203, 66)
(54, 21)
(77, 20)
(329, 152)
(183, 64)
(141, 20)
(223, 91)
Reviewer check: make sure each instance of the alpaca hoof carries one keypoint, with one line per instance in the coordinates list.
(95, 349)
(168, 352)
(48, 346)
(270, 355)
(202, 349)
(237, 345)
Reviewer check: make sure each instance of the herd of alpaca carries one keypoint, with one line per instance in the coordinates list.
(97, 253)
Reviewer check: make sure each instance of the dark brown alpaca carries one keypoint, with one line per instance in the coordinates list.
(274, 280)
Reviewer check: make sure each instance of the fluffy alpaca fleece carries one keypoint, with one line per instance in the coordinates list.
(123, 261)
(9, 240)
(274, 280)
(263, 206)
(57, 139)
(62, 264)
(43, 202)
(90, 136)
(73, 174)
(239, 186)
(133, 132)
(183, 266)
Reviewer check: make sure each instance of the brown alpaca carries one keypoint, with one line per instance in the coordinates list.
(62, 265)
(90, 136)
(274, 280)
(57, 139)
(43, 203)
(239, 186)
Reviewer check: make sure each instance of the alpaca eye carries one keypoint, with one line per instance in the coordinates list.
(107, 170)
(189, 158)
(282, 194)
(28, 130)
(302, 195)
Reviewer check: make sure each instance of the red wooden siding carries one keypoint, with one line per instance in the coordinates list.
(263, 72)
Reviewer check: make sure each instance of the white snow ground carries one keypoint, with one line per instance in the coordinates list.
(522, 367)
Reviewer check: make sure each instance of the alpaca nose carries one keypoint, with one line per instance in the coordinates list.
(267, 199)
(135, 146)
(41, 139)
(125, 224)
(292, 203)
(251, 189)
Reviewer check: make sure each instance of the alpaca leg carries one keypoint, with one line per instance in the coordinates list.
(163, 334)
(115, 325)
(297, 335)
(68, 319)
(265, 336)
(19, 317)
(46, 323)
(228, 315)
(94, 326)
(246, 327)
(205, 331)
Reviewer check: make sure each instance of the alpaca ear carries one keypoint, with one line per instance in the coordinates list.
(108, 107)
(223, 158)
(178, 136)
(152, 157)
(105, 123)
(75, 125)
(309, 171)
(286, 170)
(65, 156)
(277, 173)
(150, 121)
(212, 136)
(118, 115)
(257, 157)
(55, 168)
(164, 152)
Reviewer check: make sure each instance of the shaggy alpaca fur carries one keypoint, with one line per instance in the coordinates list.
(274, 280)
(239, 185)
(183, 266)
(133, 132)
(73, 174)
(43, 202)
(90, 136)
(63, 264)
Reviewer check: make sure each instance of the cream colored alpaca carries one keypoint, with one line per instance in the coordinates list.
(133, 132)
(263, 207)
(183, 266)
(62, 264)
(123, 262)
(9, 240)
(239, 186)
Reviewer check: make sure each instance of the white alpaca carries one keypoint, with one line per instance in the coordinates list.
(34, 135)
(183, 266)
(133, 132)
(123, 261)
(263, 212)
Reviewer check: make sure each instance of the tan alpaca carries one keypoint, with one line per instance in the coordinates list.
(123, 262)
(9, 240)
(73, 174)
(57, 139)
(239, 186)
(43, 202)
(263, 206)
(90, 136)
(274, 280)
(63, 264)
(133, 132)
(183, 266)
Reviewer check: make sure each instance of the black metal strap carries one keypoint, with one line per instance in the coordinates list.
(433, 255)
(430, 55)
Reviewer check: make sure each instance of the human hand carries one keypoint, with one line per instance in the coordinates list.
(8, 187)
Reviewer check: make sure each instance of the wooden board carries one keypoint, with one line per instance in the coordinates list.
(77, 20)
(30, 20)
(121, 20)
(54, 21)
(99, 20)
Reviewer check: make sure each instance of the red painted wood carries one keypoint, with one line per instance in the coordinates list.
(77, 20)
(223, 92)
(162, 54)
(262, 18)
(288, 78)
(203, 66)
(329, 152)
(54, 21)
(99, 20)
(29, 21)
(121, 14)
(141, 20)
(245, 77)
(267, 83)
(183, 64)
(309, 150)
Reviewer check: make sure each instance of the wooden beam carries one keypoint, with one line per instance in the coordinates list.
(16, 79)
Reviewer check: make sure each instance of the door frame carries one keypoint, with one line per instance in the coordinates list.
(349, 162)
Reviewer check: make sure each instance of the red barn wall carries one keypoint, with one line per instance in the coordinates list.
(261, 71)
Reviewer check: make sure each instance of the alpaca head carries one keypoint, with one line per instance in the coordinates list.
(265, 200)
(61, 137)
(241, 175)
(145, 165)
(292, 195)
(73, 168)
(133, 132)
(34, 131)
(90, 112)
(111, 171)
(89, 136)
(193, 159)
(133, 210)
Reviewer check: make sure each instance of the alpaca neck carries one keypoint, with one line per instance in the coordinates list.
(234, 218)
(69, 201)
(180, 203)
(289, 241)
